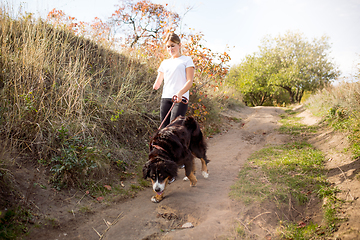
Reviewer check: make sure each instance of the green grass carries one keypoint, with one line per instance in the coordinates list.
(293, 172)
(85, 209)
(350, 124)
(235, 119)
(14, 222)
(294, 231)
(291, 125)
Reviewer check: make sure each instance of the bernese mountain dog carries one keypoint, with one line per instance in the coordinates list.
(172, 147)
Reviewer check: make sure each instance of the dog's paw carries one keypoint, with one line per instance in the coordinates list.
(186, 179)
(193, 184)
(205, 174)
(154, 200)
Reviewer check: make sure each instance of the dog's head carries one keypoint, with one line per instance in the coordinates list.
(159, 171)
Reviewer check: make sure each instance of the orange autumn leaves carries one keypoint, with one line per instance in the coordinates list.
(144, 25)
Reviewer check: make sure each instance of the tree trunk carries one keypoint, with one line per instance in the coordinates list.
(263, 99)
(291, 93)
(299, 96)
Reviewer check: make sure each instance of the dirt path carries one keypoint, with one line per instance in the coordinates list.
(207, 207)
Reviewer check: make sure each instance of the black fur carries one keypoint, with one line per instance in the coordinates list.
(173, 146)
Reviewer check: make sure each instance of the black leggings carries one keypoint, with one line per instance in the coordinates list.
(178, 109)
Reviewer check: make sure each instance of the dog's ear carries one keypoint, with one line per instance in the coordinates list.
(146, 170)
(171, 168)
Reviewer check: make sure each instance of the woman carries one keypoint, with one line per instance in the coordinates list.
(177, 73)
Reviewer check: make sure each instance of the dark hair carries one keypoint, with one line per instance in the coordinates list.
(172, 37)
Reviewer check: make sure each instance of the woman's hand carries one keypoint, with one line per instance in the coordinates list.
(156, 86)
(178, 97)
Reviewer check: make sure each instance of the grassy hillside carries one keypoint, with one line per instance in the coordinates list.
(77, 108)
(340, 107)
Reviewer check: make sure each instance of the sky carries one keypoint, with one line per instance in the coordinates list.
(242, 24)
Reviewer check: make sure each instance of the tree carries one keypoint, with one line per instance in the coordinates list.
(143, 20)
(289, 62)
(97, 30)
(251, 78)
(300, 65)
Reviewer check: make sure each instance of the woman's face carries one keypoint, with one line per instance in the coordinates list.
(173, 48)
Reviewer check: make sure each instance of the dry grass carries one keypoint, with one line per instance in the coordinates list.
(60, 91)
(340, 106)
(345, 95)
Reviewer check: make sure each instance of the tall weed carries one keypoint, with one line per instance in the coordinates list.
(52, 79)
(340, 106)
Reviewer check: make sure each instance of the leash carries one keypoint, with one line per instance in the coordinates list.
(183, 100)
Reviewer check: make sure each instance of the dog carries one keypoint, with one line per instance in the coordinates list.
(172, 147)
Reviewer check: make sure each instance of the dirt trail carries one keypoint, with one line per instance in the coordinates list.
(207, 206)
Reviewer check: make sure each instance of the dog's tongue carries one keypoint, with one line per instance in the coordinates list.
(159, 193)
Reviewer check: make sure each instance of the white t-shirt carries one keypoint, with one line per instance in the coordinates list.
(174, 70)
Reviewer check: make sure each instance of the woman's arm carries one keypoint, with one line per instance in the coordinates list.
(190, 71)
(158, 81)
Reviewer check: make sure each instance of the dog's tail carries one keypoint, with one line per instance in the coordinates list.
(197, 143)
(191, 124)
